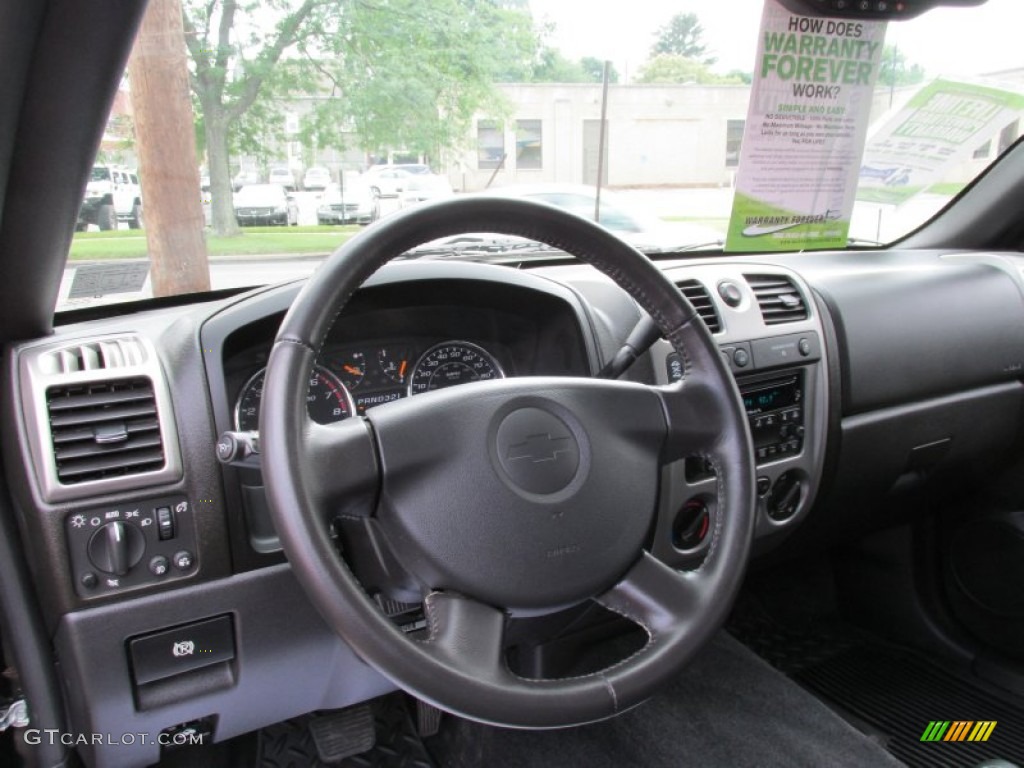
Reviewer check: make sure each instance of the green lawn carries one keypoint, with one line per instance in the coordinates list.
(124, 244)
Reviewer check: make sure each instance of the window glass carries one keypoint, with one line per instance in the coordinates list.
(528, 145)
(490, 144)
(733, 142)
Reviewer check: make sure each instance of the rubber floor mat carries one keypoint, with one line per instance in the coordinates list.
(290, 745)
(899, 694)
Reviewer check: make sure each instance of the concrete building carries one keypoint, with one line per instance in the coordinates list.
(657, 135)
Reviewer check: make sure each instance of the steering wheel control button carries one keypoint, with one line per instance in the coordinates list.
(183, 560)
(674, 367)
(537, 451)
(159, 566)
(730, 293)
(175, 651)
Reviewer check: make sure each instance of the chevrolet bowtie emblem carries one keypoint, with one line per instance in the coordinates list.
(538, 448)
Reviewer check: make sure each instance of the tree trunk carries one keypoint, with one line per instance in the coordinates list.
(222, 203)
(165, 144)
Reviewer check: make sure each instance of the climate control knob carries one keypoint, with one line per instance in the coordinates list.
(116, 547)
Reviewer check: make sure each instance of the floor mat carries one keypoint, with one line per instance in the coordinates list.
(900, 694)
(888, 692)
(290, 745)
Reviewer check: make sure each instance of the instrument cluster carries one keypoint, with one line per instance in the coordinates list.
(350, 379)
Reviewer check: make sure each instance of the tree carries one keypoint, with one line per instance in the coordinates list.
(595, 70)
(166, 151)
(229, 70)
(553, 67)
(896, 70)
(415, 77)
(683, 36)
(405, 73)
(671, 68)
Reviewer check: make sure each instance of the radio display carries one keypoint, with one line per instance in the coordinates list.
(771, 397)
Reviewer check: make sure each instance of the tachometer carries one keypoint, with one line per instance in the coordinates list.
(450, 364)
(327, 400)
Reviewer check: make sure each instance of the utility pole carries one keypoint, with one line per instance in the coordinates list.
(166, 147)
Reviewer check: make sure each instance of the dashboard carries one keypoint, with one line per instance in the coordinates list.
(141, 538)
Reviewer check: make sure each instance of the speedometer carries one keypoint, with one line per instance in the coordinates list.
(452, 363)
(327, 400)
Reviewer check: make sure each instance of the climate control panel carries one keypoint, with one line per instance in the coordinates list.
(120, 547)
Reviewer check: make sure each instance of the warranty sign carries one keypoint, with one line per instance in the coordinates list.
(805, 132)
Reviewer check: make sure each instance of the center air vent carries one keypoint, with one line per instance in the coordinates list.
(104, 429)
(778, 298)
(697, 295)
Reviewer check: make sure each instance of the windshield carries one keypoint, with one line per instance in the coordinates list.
(720, 131)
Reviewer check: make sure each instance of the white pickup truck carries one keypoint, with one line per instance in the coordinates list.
(112, 195)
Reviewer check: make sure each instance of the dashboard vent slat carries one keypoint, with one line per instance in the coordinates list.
(96, 356)
(698, 296)
(104, 429)
(778, 297)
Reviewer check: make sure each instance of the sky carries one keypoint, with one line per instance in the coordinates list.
(950, 41)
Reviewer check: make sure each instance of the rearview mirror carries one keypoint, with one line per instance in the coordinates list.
(870, 10)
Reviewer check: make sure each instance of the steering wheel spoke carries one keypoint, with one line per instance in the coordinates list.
(466, 634)
(340, 467)
(655, 596)
(699, 410)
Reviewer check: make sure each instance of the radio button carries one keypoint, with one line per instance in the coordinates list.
(790, 415)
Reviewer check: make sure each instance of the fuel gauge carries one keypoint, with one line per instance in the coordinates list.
(394, 363)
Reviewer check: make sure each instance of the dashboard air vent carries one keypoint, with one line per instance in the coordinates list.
(104, 429)
(697, 294)
(778, 298)
(96, 356)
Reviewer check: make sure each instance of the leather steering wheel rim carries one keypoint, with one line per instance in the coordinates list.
(365, 468)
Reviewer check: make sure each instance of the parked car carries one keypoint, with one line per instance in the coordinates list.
(245, 177)
(421, 187)
(633, 224)
(265, 204)
(389, 180)
(112, 194)
(316, 177)
(280, 174)
(354, 204)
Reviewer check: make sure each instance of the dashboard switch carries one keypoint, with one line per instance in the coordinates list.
(159, 566)
(165, 523)
(116, 547)
(183, 560)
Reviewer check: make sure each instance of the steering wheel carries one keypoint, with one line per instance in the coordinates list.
(513, 496)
